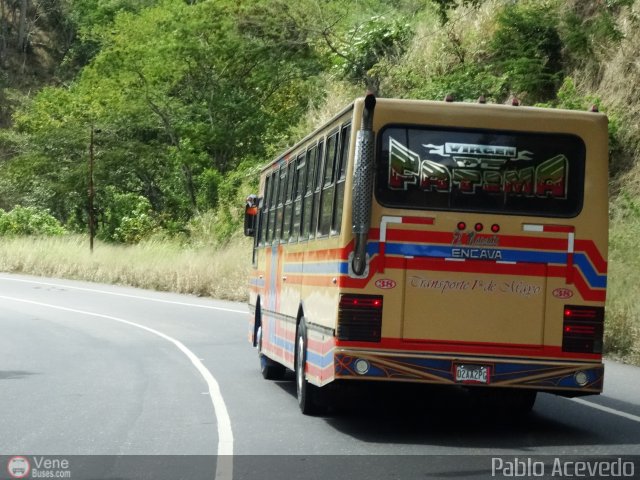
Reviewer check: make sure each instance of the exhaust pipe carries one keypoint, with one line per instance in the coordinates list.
(363, 186)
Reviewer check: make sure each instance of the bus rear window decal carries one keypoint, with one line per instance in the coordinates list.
(472, 174)
(512, 173)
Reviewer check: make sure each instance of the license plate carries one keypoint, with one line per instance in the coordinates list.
(472, 373)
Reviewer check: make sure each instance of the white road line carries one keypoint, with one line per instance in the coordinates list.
(612, 411)
(105, 292)
(224, 468)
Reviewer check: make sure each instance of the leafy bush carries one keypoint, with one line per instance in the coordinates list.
(527, 48)
(29, 221)
(370, 43)
(125, 217)
(591, 27)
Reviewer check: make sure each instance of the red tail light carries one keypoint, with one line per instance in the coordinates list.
(583, 329)
(360, 318)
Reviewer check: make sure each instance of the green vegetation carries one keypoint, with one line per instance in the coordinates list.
(182, 102)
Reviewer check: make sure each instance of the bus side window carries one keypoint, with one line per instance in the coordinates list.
(273, 203)
(317, 188)
(326, 203)
(282, 187)
(307, 208)
(298, 192)
(288, 207)
(341, 174)
(262, 229)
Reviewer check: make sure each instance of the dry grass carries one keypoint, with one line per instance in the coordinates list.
(622, 333)
(221, 273)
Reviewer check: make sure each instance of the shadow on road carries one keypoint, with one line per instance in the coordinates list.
(431, 415)
(14, 374)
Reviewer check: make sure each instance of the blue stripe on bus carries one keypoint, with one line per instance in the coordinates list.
(581, 260)
(438, 251)
(318, 268)
(317, 359)
(594, 278)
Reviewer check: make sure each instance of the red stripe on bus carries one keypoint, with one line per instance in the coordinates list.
(314, 255)
(453, 347)
(418, 220)
(475, 266)
(558, 228)
(506, 241)
(587, 293)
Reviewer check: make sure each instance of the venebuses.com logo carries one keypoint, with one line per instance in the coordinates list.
(18, 467)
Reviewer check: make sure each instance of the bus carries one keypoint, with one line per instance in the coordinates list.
(450, 243)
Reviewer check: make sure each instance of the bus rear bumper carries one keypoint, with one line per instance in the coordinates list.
(567, 378)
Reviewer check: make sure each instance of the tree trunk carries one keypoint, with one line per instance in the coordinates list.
(3, 30)
(22, 25)
(191, 189)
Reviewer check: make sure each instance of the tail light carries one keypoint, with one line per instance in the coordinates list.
(582, 329)
(360, 318)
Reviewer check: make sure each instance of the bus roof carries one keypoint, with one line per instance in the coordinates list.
(476, 107)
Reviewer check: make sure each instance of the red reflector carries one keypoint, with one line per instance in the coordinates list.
(360, 301)
(580, 329)
(478, 227)
(495, 228)
(579, 313)
(462, 225)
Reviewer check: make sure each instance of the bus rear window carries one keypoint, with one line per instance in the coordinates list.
(540, 174)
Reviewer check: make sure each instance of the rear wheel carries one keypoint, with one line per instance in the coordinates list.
(270, 370)
(307, 393)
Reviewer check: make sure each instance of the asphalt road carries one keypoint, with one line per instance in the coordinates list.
(90, 369)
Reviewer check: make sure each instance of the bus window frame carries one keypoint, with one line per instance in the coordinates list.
(262, 215)
(342, 159)
(328, 184)
(311, 158)
(298, 196)
(287, 208)
(317, 188)
(273, 206)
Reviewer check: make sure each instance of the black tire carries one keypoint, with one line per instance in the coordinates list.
(307, 393)
(521, 402)
(270, 370)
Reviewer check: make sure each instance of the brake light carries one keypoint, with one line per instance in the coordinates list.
(583, 329)
(360, 318)
(360, 301)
